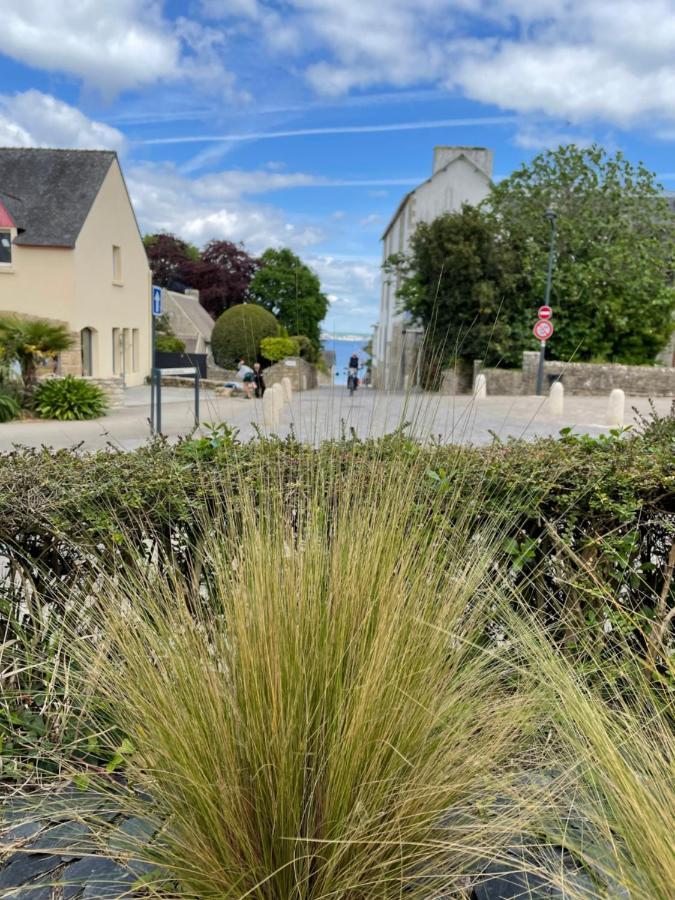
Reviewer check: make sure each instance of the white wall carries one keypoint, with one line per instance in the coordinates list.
(446, 191)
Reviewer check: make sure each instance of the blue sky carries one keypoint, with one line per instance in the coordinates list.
(303, 122)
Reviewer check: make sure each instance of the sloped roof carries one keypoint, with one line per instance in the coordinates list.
(444, 168)
(195, 312)
(48, 193)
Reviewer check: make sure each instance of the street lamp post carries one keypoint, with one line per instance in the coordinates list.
(550, 215)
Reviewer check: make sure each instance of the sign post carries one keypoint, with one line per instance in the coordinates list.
(542, 330)
(155, 393)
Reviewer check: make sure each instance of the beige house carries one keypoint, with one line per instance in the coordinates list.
(71, 251)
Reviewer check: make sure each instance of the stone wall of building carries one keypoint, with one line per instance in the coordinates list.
(302, 374)
(113, 388)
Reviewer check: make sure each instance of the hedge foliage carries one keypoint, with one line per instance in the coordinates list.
(238, 332)
(586, 527)
(277, 348)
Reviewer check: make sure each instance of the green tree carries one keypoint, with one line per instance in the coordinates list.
(615, 246)
(464, 286)
(30, 341)
(288, 288)
(238, 332)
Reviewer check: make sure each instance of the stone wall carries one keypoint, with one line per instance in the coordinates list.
(455, 381)
(577, 378)
(302, 374)
(600, 378)
(113, 388)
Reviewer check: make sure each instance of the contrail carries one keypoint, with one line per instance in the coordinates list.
(340, 129)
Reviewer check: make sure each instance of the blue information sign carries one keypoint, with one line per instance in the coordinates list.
(156, 300)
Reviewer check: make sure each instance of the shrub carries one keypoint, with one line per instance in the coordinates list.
(307, 348)
(238, 332)
(315, 718)
(169, 343)
(69, 398)
(9, 407)
(276, 348)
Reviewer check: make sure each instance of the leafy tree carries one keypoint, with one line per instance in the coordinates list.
(307, 349)
(615, 245)
(463, 285)
(168, 258)
(30, 341)
(165, 339)
(238, 332)
(222, 275)
(288, 288)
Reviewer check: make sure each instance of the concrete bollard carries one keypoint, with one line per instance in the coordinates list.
(278, 394)
(556, 399)
(270, 409)
(287, 388)
(615, 408)
(480, 387)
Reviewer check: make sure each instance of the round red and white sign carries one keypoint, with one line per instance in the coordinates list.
(545, 312)
(543, 330)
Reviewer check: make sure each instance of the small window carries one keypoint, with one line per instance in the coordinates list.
(117, 264)
(135, 350)
(116, 351)
(5, 248)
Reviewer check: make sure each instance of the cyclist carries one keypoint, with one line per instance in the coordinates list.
(353, 372)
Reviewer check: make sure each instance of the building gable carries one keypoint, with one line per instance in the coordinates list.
(48, 193)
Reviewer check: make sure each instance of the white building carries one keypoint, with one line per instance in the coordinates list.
(460, 175)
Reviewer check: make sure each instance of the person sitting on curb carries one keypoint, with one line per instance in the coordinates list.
(245, 375)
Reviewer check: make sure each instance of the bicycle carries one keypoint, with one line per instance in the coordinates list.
(352, 381)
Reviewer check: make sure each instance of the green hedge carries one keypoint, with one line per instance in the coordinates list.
(585, 525)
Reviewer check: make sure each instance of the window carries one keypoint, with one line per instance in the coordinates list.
(117, 264)
(5, 248)
(135, 349)
(116, 352)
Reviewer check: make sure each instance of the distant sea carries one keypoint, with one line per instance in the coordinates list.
(343, 348)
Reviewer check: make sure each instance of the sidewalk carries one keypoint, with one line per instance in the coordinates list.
(329, 412)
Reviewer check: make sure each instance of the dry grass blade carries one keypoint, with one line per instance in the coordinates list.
(316, 720)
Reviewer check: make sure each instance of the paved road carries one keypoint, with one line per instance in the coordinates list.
(328, 412)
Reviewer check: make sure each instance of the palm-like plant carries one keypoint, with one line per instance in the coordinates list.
(29, 341)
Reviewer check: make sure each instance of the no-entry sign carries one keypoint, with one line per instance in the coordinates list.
(545, 312)
(543, 330)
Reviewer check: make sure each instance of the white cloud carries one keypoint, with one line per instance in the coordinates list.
(353, 288)
(578, 60)
(215, 206)
(34, 119)
(111, 46)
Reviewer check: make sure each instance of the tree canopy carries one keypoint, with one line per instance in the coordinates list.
(464, 286)
(168, 257)
(615, 244)
(222, 275)
(288, 288)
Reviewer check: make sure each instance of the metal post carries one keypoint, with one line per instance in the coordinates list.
(158, 418)
(152, 371)
(196, 397)
(550, 215)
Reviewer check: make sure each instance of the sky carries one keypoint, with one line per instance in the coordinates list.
(302, 123)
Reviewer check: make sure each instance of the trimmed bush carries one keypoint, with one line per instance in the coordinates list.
(169, 343)
(276, 348)
(238, 332)
(9, 408)
(69, 398)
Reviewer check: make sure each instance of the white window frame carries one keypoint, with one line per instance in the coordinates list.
(7, 232)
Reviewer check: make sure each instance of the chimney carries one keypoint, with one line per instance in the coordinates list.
(479, 156)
